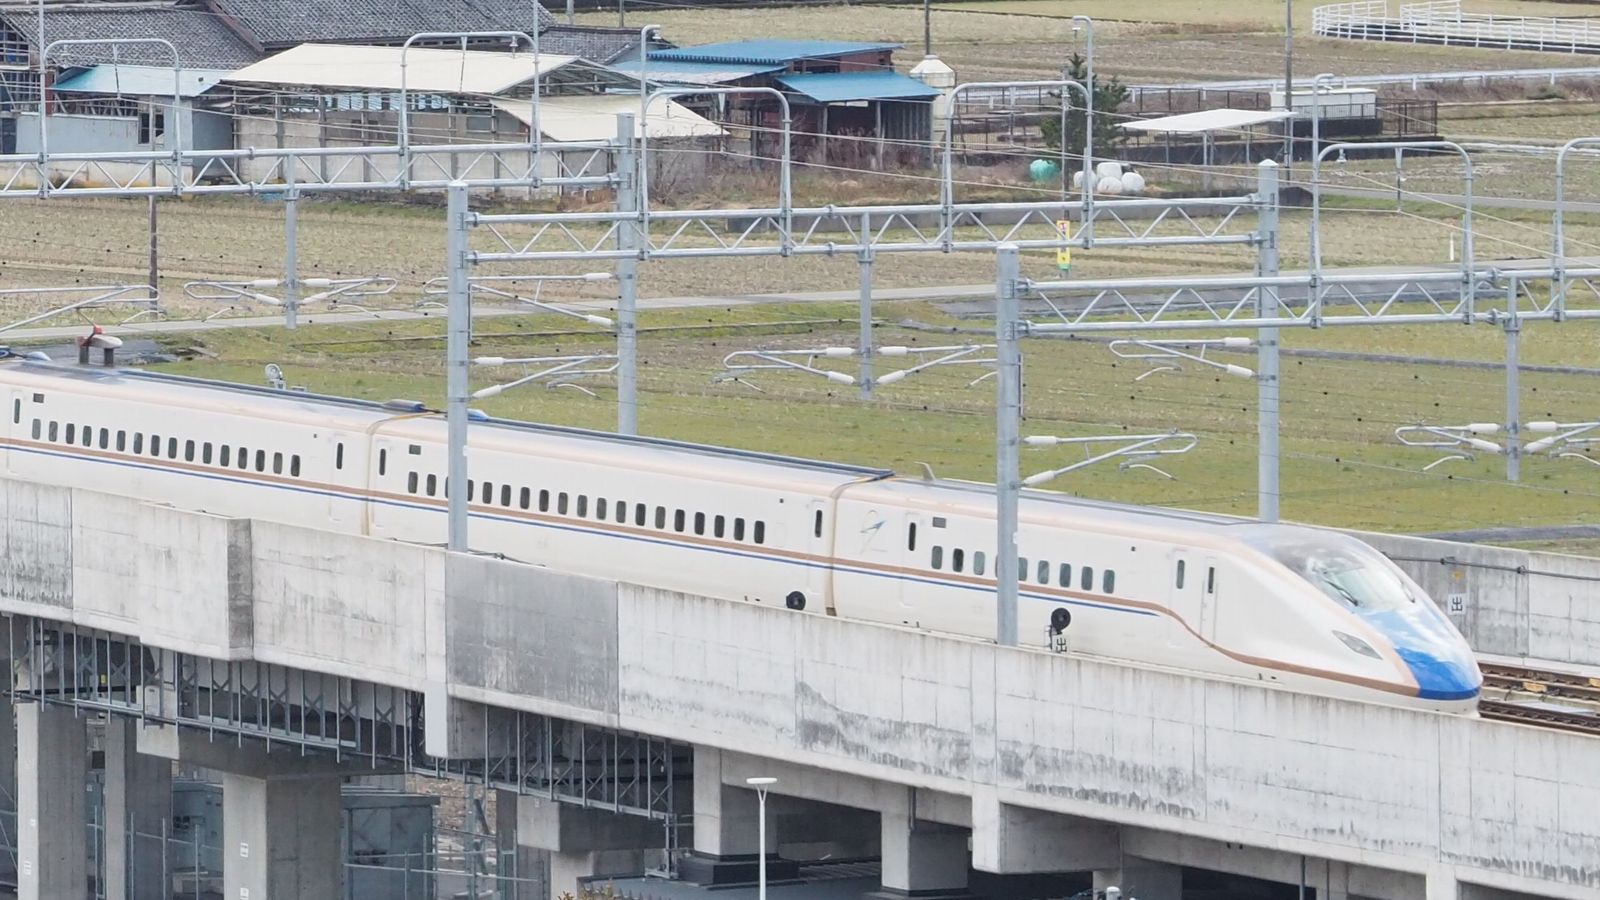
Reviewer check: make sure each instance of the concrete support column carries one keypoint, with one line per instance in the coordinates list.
(922, 858)
(52, 839)
(1143, 879)
(1442, 885)
(521, 867)
(280, 837)
(584, 843)
(8, 789)
(138, 816)
(727, 830)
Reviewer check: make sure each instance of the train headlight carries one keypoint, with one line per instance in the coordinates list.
(1356, 644)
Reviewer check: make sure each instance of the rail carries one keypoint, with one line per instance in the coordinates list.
(1545, 682)
(1542, 716)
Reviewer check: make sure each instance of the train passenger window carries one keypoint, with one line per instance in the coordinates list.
(1064, 576)
(172, 448)
(661, 518)
(138, 441)
(488, 492)
(525, 498)
(411, 482)
(640, 511)
(383, 461)
(1044, 572)
(583, 506)
(16, 411)
(38, 427)
(544, 501)
(911, 536)
(105, 438)
(816, 526)
(561, 503)
(699, 523)
(277, 463)
(622, 511)
(244, 457)
(88, 436)
(718, 525)
(1022, 568)
(761, 532)
(1108, 581)
(433, 485)
(958, 559)
(72, 433)
(1086, 578)
(122, 441)
(53, 431)
(738, 528)
(600, 508)
(938, 556)
(261, 460)
(223, 454)
(505, 495)
(205, 453)
(294, 465)
(1211, 580)
(1180, 575)
(338, 455)
(678, 520)
(979, 563)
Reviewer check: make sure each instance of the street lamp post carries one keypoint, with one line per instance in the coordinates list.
(761, 784)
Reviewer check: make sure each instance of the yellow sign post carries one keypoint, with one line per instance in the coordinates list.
(1064, 254)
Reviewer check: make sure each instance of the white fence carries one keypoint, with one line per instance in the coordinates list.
(1443, 22)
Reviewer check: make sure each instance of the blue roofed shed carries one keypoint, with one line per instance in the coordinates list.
(845, 96)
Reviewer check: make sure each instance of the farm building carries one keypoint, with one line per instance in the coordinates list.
(228, 34)
(844, 96)
(330, 96)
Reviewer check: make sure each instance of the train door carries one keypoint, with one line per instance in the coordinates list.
(1208, 599)
(914, 538)
(342, 510)
(818, 543)
(1186, 585)
(387, 453)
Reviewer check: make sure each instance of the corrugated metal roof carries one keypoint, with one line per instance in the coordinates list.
(771, 51)
(201, 38)
(378, 68)
(139, 81)
(837, 87)
(675, 72)
(1207, 120)
(594, 117)
(278, 23)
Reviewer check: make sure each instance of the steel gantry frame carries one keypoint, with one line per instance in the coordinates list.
(355, 721)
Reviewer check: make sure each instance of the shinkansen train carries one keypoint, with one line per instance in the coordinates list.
(1313, 610)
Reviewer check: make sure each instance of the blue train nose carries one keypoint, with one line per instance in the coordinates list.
(1442, 677)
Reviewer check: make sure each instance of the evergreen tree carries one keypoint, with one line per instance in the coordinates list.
(1108, 99)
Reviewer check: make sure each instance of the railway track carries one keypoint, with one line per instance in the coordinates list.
(1535, 691)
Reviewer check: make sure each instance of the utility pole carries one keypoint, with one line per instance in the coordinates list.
(1267, 454)
(155, 271)
(627, 278)
(458, 326)
(1008, 441)
(864, 259)
(291, 245)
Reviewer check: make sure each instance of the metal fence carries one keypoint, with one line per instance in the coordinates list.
(1444, 22)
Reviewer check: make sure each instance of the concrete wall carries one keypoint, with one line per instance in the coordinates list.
(1011, 732)
(1508, 602)
(79, 134)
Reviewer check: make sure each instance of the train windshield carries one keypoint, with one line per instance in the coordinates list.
(1355, 576)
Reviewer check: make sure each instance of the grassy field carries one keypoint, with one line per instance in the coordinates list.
(1191, 42)
(1341, 465)
(1258, 14)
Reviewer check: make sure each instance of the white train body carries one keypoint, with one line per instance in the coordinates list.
(1314, 610)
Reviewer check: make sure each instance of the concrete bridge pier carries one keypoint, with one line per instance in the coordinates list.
(138, 815)
(582, 843)
(53, 764)
(727, 846)
(923, 859)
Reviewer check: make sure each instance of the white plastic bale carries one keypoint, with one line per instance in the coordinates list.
(1132, 183)
(1109, 185)
(1108, 169)
(1077, 180)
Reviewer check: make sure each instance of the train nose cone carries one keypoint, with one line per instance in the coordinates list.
(1442, 677)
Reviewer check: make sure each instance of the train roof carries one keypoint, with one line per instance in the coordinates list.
(376, 411)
